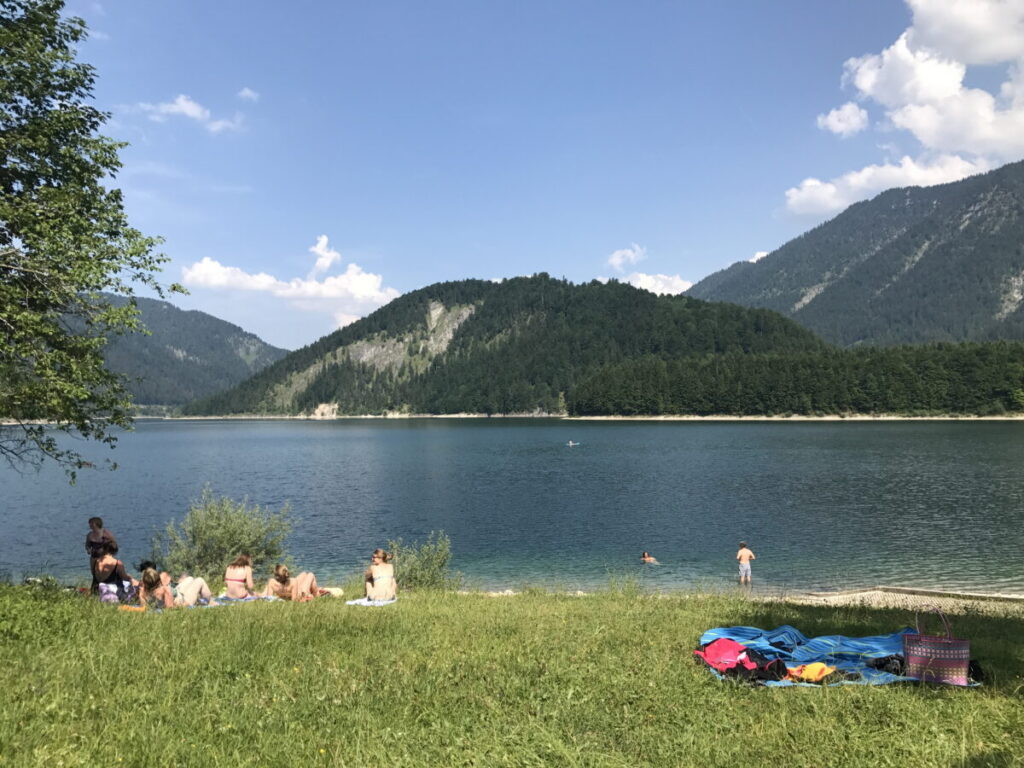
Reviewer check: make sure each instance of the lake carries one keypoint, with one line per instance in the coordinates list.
(824, 505)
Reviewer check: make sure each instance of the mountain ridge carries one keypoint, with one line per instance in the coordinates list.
(187, 354)
(912, 265)
(517, 346)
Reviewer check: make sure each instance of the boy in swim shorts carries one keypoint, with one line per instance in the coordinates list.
(745, 556)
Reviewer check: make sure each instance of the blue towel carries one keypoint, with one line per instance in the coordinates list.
(847, 654)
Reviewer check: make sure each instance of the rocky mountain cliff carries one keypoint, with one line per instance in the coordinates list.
(518, 346)
(917, 264)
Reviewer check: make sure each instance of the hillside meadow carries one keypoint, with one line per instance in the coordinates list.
(538, 679)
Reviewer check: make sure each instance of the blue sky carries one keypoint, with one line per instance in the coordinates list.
(308, 162)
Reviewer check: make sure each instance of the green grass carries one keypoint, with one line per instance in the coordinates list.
(449, 680)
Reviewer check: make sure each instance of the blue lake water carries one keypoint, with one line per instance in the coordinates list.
(823, 505)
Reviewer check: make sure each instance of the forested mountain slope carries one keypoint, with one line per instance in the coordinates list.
(188, 354)
(518, 346)
(918, 264)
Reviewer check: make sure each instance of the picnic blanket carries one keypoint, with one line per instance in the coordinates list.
(849, 655)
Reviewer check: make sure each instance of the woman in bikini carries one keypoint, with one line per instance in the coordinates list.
(300, 589)
(238, 578)
(153, 593)
(380, 577)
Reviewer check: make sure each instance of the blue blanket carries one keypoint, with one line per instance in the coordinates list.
(847, 654)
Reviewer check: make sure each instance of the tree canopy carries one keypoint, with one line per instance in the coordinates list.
(64, 239)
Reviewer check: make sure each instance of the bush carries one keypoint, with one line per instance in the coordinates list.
(425, 566)
(216, 530)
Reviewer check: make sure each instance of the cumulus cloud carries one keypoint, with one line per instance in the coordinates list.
(971, 31)
(919, 82)
(758, 256)
(845, 120)
(817, 197)
(900, 75)
(624, 256)
(346, 297)
(248, 94)
(186, 106)
(661, 284)
(325, 256)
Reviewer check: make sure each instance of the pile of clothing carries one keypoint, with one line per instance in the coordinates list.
(785, 656)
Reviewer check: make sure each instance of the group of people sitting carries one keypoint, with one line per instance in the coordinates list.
(155, 588)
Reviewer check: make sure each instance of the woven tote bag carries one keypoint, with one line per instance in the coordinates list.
(934, 658)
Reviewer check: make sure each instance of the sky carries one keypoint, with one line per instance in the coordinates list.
(306, 163)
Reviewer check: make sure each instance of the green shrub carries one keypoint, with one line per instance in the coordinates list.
(216, 530)
(425, 566)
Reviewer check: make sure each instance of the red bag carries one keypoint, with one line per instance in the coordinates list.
(934, 658)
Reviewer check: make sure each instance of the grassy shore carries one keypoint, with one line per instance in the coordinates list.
(442, 679)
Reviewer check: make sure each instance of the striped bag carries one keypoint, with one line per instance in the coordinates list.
(934, 658)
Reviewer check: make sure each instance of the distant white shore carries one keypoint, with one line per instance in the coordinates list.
(562, 417)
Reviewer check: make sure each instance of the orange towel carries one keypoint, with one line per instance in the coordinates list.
(810, 673)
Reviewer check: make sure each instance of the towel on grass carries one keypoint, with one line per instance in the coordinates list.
(368, 603)
(224, 600)
(849, 655)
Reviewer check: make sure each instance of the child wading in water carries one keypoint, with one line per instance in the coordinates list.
(745, 556)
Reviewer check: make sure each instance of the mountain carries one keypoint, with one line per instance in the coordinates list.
(518, 346)
(918, 264)
(188, 354)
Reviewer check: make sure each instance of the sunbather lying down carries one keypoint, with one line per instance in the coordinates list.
(300, 589)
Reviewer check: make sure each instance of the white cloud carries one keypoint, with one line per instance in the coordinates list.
(971, 31)
(224, 124)
(900, 75)
(345, 297)
(182, 105)
(661, 284)
(248, 94)
(185, 106)
(624, 256)
(342, 319)
(758, 256)
(845, 120)
(325, 256)
(919, 81)
(817, 197)
(971, 122)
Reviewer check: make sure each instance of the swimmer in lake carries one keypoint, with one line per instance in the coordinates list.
(647, 557)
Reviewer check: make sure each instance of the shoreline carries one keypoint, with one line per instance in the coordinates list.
(566, 418)
(878, 597)
(793, 418)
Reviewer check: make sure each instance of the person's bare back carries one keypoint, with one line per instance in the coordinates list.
(745, 555)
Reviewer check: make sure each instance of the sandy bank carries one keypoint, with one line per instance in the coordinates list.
(907, 598)
(916, 600)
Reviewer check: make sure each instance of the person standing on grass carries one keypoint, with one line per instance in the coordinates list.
(745, 556)
(96, 540)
